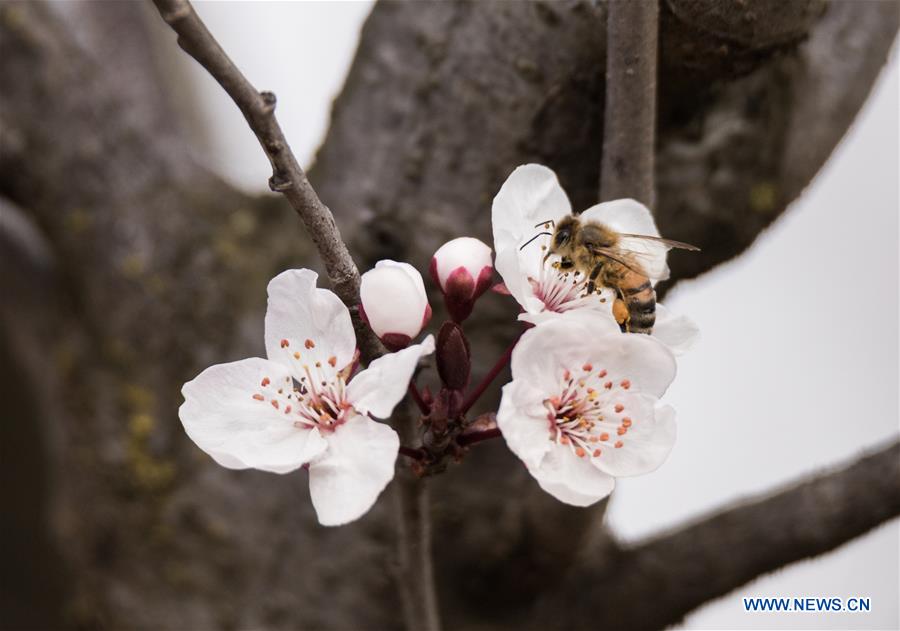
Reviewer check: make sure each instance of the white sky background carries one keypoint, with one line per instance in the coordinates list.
(797, 368)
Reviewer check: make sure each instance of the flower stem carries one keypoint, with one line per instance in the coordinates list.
(476, 437)
(411, 452)
(424, 408)
(476, 393)
(412, 518)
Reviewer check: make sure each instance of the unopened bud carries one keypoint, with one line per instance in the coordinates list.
(394, 303)
(452, 356)
(463, 270)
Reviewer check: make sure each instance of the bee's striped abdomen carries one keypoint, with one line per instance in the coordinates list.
(640, 299)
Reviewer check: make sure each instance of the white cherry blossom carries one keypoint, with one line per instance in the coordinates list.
(394, 302)
(532, 198)
(302, 405)
(583, 406)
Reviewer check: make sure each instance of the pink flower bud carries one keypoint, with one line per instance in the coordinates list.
(463, 270)
(394, 303)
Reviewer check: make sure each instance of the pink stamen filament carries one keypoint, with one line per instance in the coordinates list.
(317, 400)
(558, 293)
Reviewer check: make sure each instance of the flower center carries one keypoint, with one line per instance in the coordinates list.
(316, 399)
(561, 290)
(588, 415)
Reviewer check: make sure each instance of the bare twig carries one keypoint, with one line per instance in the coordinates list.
(708, 558)
(630, 115)
(471, 438)
(415, 571)
(288, 177)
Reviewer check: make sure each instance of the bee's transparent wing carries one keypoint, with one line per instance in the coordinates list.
(649, 253)
(624, 258)
(669, 243)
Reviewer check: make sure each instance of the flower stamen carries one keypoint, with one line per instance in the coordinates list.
(579, 414)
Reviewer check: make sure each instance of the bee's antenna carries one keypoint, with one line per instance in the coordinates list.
(545, 222)
(539, 234)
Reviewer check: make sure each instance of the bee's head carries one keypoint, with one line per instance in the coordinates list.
(564, 234)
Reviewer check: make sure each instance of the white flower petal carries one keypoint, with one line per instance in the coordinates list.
(222, 416)
(647, 443)
(563, 342)
(378, 388)
(645, 362)
(309, 321)
(522, 418)
(591, 307)
(530, 195)
(571, 479)
(678, 332)
(631, 217)
(345, 481)
(393, 297)
(623, 215)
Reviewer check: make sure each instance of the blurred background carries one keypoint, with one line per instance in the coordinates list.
(796, 369)
(771, 392)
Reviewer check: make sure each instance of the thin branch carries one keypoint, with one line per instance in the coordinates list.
(708, 558)
(629, 124)
(471, 438)
(414, 571)
(412, 452)
(288, 177)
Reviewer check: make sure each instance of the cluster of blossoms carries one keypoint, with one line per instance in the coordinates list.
(582, 407)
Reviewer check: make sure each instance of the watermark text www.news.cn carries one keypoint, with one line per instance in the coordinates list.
(806, 603)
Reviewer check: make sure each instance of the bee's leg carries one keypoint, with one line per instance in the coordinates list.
(620, 311)
(592, 279)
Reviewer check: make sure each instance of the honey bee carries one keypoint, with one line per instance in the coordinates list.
(610, 259)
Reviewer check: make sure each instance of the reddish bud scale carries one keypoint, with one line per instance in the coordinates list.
(460, 289)
(395, 341)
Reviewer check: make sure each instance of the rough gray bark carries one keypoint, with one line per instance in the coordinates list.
(155, 261)
(629, 125)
